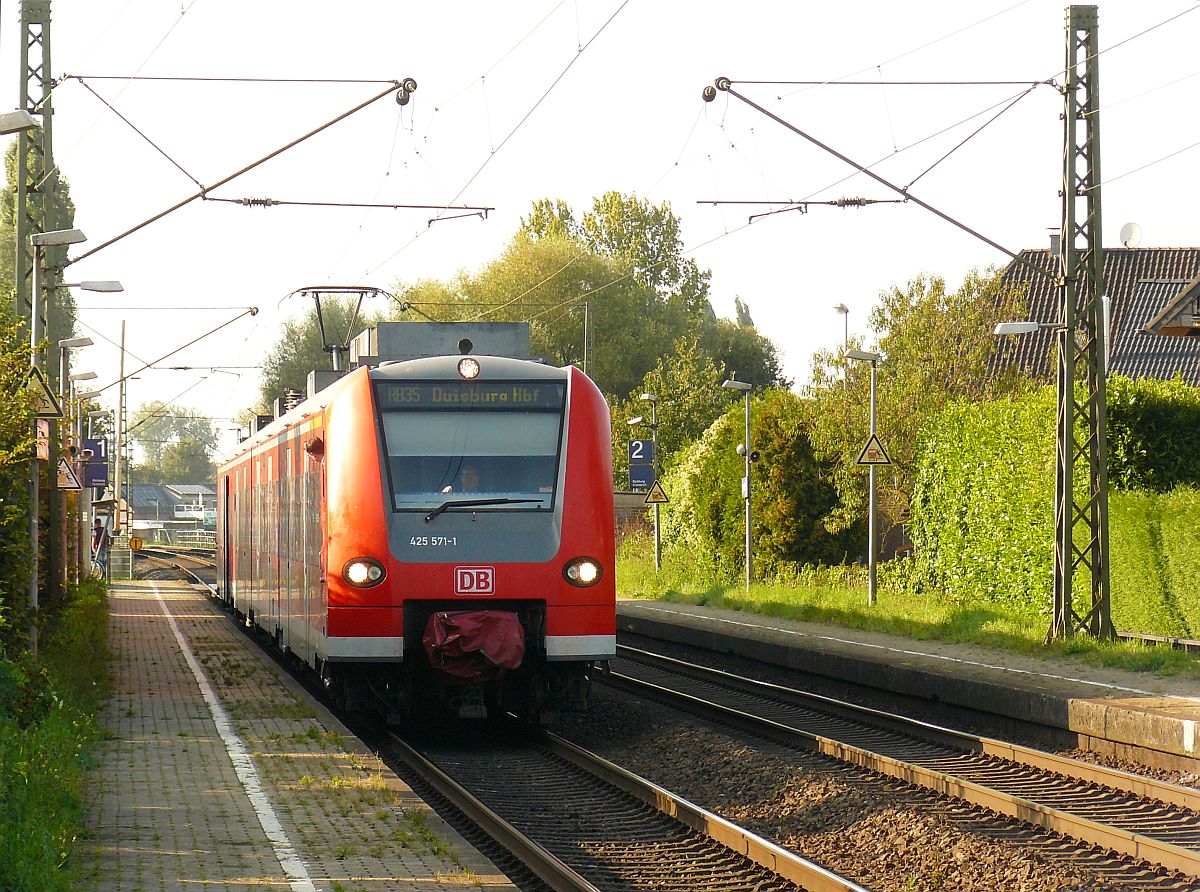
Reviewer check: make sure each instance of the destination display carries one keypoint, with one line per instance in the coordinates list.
(471, 395)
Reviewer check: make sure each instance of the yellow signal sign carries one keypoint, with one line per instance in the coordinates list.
(656, 495)
(873, 453)
(67, 478)
(44, 399)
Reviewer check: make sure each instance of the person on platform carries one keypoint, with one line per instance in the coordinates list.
(100, 543)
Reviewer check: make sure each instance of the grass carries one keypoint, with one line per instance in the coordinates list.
(47, 725)
(837, 596)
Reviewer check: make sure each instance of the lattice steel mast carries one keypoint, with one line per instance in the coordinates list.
(1081, 516)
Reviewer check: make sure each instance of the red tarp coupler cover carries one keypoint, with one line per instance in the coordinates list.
(474, 645)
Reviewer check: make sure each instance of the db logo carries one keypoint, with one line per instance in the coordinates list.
(474, 580)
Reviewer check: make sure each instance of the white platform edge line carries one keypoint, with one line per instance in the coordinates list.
(289, 860)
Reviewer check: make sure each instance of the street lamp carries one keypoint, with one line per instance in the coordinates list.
(845, 311)
(872, 533)
(40, 242)
(1020, 328)
(107, 286)
(633, 422)
(16, 122)
(70, 404)
(750, 456)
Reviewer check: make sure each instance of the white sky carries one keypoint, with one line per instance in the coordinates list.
(622, 110)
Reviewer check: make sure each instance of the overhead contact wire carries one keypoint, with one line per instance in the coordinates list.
(393, 85)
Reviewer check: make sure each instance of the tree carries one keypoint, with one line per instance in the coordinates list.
(300, 348)
(645, 236)
(16, 447)
(187, 460)
(553, 281)
(687, 386)
(936, 346)
(792, 493)
(158, 427)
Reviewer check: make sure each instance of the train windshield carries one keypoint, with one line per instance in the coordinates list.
(471, 440)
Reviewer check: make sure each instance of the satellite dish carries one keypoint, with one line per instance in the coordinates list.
(1131, 235)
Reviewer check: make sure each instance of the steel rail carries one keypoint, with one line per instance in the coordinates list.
(1126, 842)
(548, 868)
(804, 873)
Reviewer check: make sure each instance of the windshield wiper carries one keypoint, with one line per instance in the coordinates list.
(455, 503)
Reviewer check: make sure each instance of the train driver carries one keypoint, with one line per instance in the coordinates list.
(468, 477)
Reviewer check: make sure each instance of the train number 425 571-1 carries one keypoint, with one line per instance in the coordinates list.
(434, 541)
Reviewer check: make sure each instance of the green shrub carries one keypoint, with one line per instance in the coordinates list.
(1181, 556)
(1152, 430)
(1137, 572)
(982, 515)
(46, 727)
(704, 523)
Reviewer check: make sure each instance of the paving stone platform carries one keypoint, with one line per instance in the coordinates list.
(220, 773)
(1108, 710)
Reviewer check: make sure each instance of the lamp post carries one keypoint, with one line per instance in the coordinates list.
(845, 312)
(872, 532)
(40, 242)
(67, 400)
(750, 456)
(633, 422)
(85, 491)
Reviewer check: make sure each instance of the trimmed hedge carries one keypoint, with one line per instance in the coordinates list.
(982, 511)
(1181, 557)
(982, 518)
(1153, 429)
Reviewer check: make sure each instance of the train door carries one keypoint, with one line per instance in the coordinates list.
(272, 549)
(286, 547)
(228, 516)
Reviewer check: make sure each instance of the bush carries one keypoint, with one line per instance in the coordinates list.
(704, 524)
(1136, 575)
(1181, 557)
(982, 518)
(46, 726)
(1152, 428)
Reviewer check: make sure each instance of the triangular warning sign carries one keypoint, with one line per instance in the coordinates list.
(66, 476)
(656, 496)
(873, 454)
(44, 400)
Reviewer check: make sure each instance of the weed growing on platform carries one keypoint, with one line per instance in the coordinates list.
(47, 724)
(837, 596)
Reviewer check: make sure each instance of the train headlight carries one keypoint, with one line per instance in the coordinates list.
(468, 368)
(582, 572)
(363, 572)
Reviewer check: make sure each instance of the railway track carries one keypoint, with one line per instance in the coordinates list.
(582, 824)
(1137, 817)
(196, 564)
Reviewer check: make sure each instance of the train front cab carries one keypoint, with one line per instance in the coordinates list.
(533, 538)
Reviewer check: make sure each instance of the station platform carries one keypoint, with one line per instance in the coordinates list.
(219, 772)
(1105, 710)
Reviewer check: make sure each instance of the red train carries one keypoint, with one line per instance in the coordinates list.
(435, 531)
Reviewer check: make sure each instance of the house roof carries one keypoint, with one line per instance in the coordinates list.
(1179, 316)
(1138, 353)
(1134, 279)
(151, 497)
